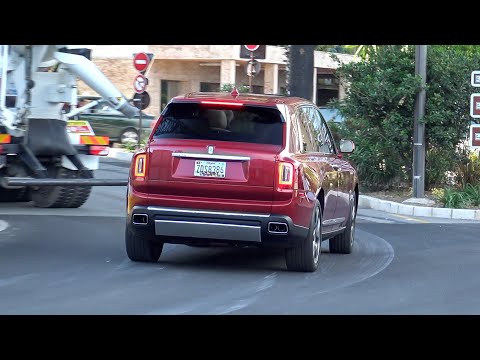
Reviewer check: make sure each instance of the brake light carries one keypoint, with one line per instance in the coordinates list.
(98, 150)
(207, 102)
(285, 175)
(140, 165)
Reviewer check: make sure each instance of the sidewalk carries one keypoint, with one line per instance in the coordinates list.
(368, 202)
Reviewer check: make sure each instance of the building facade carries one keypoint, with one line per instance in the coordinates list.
(179, 69)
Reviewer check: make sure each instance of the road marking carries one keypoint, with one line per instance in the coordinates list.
(3, 225)
(410, 219)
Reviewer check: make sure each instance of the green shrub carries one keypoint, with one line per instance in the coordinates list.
(379, 108)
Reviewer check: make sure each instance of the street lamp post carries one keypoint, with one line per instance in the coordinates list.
(419, 124)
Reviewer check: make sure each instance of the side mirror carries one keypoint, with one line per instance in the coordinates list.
(347, 146)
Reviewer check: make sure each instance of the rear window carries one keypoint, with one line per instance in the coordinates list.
(249, 124)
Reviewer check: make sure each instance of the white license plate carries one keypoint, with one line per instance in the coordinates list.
(214, 169)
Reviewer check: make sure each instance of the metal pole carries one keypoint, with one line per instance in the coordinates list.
(141, 129)
(419, 125)
(251, 74)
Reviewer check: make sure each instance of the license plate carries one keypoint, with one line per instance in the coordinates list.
(214, 169)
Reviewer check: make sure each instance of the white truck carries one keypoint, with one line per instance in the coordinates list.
(39, 160)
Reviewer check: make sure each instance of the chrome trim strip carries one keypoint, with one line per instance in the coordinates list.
(300, 226)
(333, 231)
(208, 230)
(333, 221)
(205, 212)
(211, 156)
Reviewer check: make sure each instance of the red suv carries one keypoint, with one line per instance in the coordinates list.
(243, 170)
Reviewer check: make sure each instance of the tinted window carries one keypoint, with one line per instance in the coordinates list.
(243, 124)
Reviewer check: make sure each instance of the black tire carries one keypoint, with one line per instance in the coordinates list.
(343, 243)
(62, 196)
(142, 249)
(306, 256)
(15, 195)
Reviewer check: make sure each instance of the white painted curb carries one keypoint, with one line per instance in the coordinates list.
(368, 202)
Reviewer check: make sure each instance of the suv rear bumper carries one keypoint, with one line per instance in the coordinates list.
(189, 226)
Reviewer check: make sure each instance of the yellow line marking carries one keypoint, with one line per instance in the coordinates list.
(409, 218)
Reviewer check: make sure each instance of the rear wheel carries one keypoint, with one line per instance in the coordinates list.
(62, 196)
(141, 249)
(129, 136)
(15, 195)
(306, 257)
(343, 243)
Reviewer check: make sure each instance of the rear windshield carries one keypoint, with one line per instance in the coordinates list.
(249, 124)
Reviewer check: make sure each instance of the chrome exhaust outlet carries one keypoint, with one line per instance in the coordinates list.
(140, 219)
(277, 228)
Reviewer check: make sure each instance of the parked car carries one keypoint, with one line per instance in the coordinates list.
(106, 121)
(242, 170)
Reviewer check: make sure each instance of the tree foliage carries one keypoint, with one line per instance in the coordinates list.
(379, 107)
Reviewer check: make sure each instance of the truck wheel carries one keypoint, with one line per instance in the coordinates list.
(62, 196)
(129, 136)
(306, 257)
(343, 243)
(15, 195)
(141, 249)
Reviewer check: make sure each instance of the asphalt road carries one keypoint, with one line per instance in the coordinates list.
(73, 261)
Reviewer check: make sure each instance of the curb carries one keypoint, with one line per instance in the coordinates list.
(120, 154)
(368, 202)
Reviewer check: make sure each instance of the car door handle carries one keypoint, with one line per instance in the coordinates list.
(336, 167)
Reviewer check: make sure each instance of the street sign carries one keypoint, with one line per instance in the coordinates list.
(141, 101)
(475, 105)
(141, 61)
(251, 47)
(475, 80)
(252, 68)
(259, 53)
(140, 83)
(474, 136)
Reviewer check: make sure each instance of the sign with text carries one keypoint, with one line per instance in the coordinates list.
(475, 136)
(475, 80)
(79, 127)
(475, 105)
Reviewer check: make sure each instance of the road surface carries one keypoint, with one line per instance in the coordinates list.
(73, 261)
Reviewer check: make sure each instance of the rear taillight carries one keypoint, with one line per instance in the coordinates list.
(98, 150)
(140, 165)
(285, 175)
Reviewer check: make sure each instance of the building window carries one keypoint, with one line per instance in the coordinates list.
(209, 87)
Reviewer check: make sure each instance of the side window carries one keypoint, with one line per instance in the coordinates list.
(307, 140)
(325, 140)
(294, 133)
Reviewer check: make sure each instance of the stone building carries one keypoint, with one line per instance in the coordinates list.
(178, 69)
